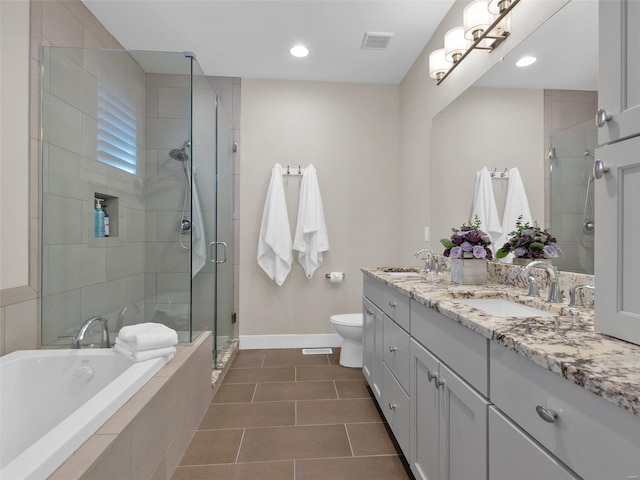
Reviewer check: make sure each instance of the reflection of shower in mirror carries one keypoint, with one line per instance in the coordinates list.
(588, 224)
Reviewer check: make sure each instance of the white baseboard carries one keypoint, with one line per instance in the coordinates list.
(250, 342)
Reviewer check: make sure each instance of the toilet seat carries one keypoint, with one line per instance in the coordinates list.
(347, 319)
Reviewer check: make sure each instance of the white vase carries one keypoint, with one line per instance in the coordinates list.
(469, 271)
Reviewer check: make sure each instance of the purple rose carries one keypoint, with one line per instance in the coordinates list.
(550, 251)
(474, 236)
(528, 232)
(447, 252)
(520, 252)
(489, 254)
(479, 252)
(456, 239)
(456, 252)
(466, 247)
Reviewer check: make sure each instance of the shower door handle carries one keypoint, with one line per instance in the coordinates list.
(212, 258)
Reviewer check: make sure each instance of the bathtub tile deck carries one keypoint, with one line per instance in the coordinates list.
(282, 415)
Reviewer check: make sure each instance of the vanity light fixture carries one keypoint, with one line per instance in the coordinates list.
(486, 25)
(299, 51)
(526, 61)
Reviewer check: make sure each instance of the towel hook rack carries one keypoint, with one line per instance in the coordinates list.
(504, 174)
(493, 174)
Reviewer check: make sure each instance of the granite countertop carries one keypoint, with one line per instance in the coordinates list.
(566, 344)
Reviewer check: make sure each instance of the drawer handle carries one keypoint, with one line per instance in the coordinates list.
(369, 312)
(393, 304)
(547, 414)
(393, 349)
(392, 406)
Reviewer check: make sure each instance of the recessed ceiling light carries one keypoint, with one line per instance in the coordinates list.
(299, 51)
(526, 61)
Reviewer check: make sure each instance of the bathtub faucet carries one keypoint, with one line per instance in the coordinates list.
(104, 340)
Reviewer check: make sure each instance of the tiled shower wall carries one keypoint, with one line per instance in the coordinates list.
(101, 269)
(570, 130)
(84, 276)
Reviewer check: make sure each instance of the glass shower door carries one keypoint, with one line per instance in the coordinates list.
(212, 266)
(225, 264)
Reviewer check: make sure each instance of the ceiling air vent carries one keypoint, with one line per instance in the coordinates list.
(376, 40)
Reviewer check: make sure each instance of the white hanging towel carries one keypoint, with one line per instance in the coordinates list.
(311, 231)
(515, 205)
(274, 243)
(198, 240)
(484, 207)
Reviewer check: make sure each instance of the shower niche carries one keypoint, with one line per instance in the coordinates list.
(110, 207)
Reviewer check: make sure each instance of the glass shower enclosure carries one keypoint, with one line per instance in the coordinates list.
(137, 138)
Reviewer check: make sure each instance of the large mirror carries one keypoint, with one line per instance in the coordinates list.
(538, 119)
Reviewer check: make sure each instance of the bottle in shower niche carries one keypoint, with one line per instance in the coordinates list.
(106, 221)
(98, 219)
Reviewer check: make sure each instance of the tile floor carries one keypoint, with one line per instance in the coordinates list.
(281, 415)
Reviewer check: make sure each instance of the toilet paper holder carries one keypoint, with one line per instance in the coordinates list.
(328, 275)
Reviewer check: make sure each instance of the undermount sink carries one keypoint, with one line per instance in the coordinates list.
(402, 271)
(500, 307)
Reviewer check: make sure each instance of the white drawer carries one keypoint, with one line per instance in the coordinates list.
(395, 350)
(513, 454)
(466, 352)
(389, 300)
(396, 408)
(592, 436)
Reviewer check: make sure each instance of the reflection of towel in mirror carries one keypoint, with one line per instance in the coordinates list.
(484, 207)
(311, 231)
(516, 204)
(274, 242)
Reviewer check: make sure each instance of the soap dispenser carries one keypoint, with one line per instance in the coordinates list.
(98, 219)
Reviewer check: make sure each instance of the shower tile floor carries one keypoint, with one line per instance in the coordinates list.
(282, 415)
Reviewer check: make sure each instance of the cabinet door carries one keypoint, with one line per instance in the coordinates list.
(372, 347)
(617, 263)
(513, 454)
(463, 429)
(619, 69)
(424, 445)
(368, 340)
(395, 406)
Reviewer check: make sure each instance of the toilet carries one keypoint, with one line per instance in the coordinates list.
(349, 327)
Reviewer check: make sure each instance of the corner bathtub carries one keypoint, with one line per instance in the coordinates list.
(52, 401)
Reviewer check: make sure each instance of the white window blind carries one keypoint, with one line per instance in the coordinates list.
(116, 131)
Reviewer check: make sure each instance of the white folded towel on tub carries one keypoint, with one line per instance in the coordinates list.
(147, 336)
(143, 355)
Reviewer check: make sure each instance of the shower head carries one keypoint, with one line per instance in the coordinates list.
(180, 154)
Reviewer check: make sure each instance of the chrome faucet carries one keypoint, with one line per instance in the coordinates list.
(573, 293)
(104, 341)
(430, 263)
(554, 288)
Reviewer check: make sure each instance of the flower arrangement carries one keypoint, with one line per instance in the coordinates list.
(530, 241)
(468, 242)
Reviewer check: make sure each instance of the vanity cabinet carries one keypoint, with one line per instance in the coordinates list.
(591, 436)
(448, 422)
(619, 70)
(514, 454)
(386, 355)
